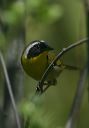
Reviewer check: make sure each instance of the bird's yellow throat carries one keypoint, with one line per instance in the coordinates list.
(35, 66)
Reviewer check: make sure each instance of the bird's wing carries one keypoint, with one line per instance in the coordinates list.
(69, 67)
(51, 56)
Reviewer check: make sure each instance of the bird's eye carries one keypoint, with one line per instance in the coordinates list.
(35, 51)
(38, 47)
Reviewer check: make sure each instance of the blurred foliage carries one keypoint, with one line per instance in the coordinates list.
(61, 23)
(33, 116)
(44, 11)
(2, 38)
(5, 3)
(14, 14)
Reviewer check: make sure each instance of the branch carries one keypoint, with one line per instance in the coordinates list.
(63, 51)
(10, 90)
(74, 113)
(86, 2)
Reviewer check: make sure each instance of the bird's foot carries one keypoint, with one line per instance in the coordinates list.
(52, 82)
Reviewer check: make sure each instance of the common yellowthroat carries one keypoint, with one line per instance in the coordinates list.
(35, 59)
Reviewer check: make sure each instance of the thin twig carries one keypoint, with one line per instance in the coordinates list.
(86, 3)
(10, 90)
(63, 51)
(74, 113)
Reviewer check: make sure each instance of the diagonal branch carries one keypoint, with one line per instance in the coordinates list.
(10, 91)
(86, 3)
(75, 110)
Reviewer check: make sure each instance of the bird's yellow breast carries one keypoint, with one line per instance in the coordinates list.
(35, 66)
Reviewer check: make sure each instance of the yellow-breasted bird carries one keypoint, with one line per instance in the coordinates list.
(35, 59)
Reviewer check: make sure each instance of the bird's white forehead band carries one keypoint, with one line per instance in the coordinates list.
(29, 47)
(33, 44)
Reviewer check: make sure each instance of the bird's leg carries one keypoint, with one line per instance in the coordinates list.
(47, 84)
(39, 88)
(52, 82)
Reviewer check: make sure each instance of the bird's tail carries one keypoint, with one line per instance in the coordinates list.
(66, 66)
(69, 67)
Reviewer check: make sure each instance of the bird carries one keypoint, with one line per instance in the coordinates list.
(35, 59)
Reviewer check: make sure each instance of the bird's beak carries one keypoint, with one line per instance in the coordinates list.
(48, 48)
